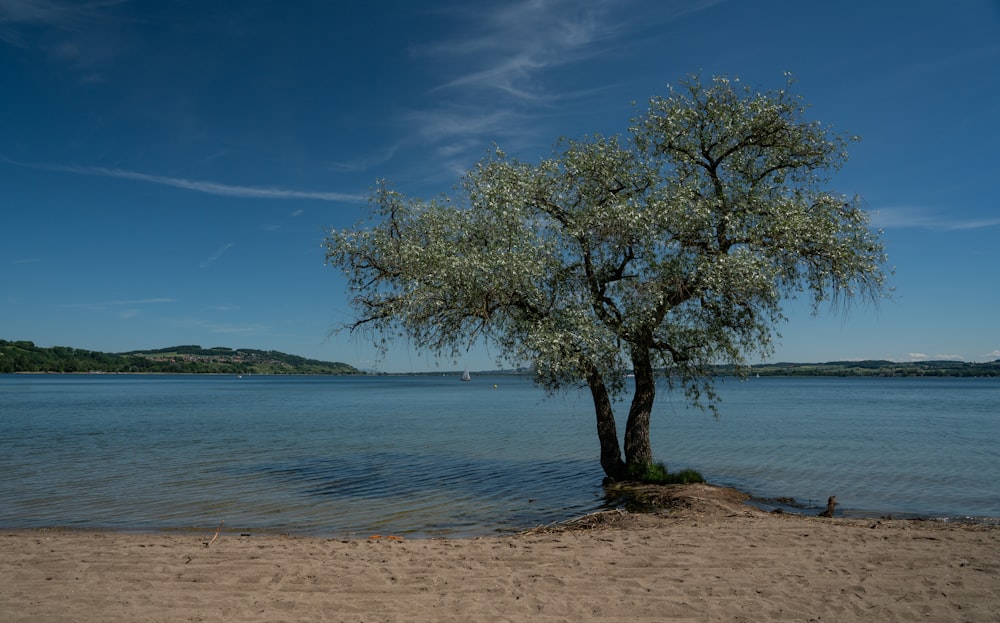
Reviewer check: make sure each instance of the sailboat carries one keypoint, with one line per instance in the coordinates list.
(465, 376)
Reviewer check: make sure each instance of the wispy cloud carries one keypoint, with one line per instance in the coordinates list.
(366, 161)
(504, 71)
(211, 259)
(916, 217)
(64, 14)
(49, 13)
(454, 121)
(940, 357)
(993, 354)
(215, 188)
(495, 72)
(104, 305)
(459, 133)
(233, 328)
(229, 329)
(217, 327)
(278, 226)
(211, 188)
(83, 35)
(505, 47)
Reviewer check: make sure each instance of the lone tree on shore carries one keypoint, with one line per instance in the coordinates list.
(663, 252)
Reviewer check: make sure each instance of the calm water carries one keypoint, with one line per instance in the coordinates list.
(426, 456)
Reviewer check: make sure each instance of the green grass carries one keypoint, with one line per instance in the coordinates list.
(658, 474)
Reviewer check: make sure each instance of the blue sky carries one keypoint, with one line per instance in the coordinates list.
(168, 169)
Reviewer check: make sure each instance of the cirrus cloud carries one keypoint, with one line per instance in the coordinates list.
(202, 186)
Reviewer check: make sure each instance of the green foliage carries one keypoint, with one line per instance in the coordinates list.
(26, 357)
(679, 243)
(657, 474)
(670, 249)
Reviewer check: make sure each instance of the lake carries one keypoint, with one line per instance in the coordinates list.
(431, 456)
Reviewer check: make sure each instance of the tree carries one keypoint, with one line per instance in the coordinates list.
(664, 252)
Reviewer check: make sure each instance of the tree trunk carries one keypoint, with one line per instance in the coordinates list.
(607, 430)
(638, 449)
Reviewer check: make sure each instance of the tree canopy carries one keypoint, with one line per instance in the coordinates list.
(664, 252)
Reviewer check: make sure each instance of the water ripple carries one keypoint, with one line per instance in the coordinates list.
(424, 456)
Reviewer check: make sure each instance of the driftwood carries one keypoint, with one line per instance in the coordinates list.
(217, 531)
(597, 519)
(830, 505)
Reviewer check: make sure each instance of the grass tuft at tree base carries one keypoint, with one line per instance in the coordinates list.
(657, 474)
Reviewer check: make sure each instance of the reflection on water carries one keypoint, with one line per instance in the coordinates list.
(431, 456)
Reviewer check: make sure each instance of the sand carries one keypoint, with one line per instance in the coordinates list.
(709, 559)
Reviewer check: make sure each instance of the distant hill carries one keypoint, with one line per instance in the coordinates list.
(24, 356)
(880, 368)
(876, 368)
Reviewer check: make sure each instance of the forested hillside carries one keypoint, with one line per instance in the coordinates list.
(880, 368)
(23, 356)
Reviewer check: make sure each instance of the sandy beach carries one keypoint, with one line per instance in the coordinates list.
(710, 558)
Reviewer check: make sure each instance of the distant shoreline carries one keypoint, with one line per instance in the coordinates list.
(842, 369)
(783, 370)
(877, 368)
(26, 358)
